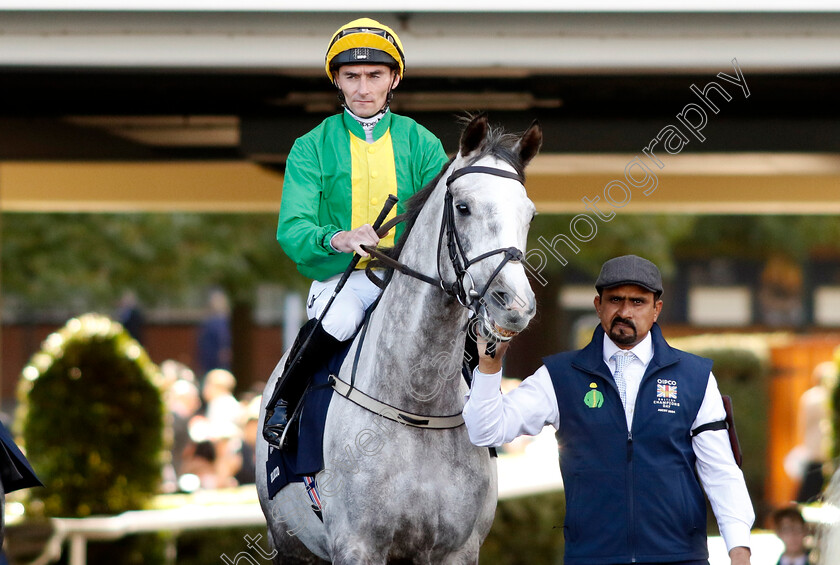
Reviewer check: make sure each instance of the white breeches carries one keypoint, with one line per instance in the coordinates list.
(348, 310)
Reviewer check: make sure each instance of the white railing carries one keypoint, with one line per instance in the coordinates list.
(532, 471)
(192, 517)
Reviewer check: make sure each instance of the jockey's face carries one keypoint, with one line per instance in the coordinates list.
(627, 313)
(366, 87)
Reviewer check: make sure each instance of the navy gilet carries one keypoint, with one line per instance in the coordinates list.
(632, 496)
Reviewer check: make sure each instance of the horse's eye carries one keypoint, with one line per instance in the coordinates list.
(463, 209)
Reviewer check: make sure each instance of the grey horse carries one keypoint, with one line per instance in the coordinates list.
(397, 493)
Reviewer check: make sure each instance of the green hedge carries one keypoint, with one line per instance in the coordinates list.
(526, 531)
(208, 546)
(92, 420)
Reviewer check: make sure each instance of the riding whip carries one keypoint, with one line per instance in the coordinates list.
(386, 209)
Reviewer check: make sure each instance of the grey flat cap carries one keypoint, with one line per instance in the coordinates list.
(629, 269)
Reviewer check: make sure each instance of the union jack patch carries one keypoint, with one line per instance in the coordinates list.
(666, 391)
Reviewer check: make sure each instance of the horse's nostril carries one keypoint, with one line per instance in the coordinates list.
(501, 298)
(512, 301)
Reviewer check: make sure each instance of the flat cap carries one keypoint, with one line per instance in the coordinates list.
(629, 269)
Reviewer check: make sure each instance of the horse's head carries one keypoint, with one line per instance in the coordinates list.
(489, 216)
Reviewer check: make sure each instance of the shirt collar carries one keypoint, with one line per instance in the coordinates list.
(643, 350)
(354, 125)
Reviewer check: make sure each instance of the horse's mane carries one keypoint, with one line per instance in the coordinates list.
(497, 143)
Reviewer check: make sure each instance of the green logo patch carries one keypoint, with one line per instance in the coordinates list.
(594, 398)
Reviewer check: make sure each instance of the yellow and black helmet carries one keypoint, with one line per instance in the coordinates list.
(364, 42)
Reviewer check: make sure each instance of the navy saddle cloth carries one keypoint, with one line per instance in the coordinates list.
(307, 458)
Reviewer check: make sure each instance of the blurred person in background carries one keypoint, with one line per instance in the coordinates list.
(814, 420)
(130, 316)
(790, 527)
(183, 402)
(222, 408)
(214, 336)
(218, 424)
(247, 473)
(200, 463)
(173, 370)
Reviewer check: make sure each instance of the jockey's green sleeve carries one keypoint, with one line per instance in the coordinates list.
(336, 181)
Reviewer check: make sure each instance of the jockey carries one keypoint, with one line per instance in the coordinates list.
(337, 178)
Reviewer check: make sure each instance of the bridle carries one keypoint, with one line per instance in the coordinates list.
(462, 290)
(463, 287)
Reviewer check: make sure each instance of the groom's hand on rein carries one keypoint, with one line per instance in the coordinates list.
(352, 241)
(487, 364)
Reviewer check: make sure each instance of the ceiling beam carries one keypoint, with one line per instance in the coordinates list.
(197, 186)
(732, 183)
(478, 44)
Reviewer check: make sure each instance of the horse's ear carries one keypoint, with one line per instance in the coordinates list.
(474, 135)
(529, 144)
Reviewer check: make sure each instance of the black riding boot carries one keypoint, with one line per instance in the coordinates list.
(292, 383)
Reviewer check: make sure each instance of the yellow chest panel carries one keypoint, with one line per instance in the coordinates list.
(374, 177)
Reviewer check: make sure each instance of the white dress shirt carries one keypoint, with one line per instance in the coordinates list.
(493, 419)
(801, 560)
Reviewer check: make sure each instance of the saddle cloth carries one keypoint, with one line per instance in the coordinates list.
(307, 457)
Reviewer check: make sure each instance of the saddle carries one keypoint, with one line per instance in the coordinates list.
(306, 458)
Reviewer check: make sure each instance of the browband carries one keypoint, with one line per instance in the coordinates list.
(485, 170)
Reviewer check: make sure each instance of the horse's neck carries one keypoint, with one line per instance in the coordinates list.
(414, 344)
(413, 349)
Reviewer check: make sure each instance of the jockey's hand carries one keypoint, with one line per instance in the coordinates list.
(352, 241)
(487, 364)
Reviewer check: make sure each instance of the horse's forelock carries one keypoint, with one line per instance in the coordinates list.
(500, 144)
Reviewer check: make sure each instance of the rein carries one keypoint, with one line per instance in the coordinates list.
(463, 287)
(460, 289)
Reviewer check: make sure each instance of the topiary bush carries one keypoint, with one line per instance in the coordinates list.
(92, 420)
